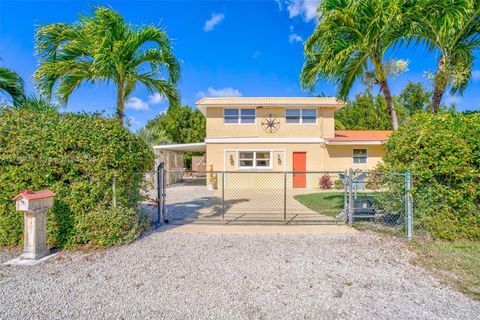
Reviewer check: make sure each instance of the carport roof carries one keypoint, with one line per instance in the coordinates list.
(184, 147)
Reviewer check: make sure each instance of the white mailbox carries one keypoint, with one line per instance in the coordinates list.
(34, 205)
(28, 200)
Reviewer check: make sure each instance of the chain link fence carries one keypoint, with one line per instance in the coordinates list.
(375, 199)
(382, 200)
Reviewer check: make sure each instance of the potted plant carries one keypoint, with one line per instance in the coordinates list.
(212, 181)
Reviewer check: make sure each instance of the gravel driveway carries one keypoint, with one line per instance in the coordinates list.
(233, 276)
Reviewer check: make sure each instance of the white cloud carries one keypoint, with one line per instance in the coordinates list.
(155, 98)
(213, 21)
(221, 92)
(294, 38)
(452, 100)
(307, 9)
(476, 75)
(256, 54)
(136, 104)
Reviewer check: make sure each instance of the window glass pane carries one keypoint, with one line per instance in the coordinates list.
(359, 160)
(248, 119)
(292, 115)
(230, 115)
(309, 115)
(247, 115)
(263, 155)
(263, 163)
(248, 112)
(230, 120)
(246, 163)
(230, 112)
(246, 155)
(360, 152)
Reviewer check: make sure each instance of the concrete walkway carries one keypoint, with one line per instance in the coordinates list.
(256, 229)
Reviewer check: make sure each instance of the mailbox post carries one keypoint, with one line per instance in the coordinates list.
(34, 205)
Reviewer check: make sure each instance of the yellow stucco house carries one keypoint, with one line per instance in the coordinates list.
(285, 134)
(281, 134)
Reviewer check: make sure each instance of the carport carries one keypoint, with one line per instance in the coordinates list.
(173, 155)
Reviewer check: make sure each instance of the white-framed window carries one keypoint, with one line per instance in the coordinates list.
(360, 156)
(239, 116)
(299, 116)
(254, 159)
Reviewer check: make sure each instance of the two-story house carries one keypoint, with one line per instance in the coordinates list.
(285, 134)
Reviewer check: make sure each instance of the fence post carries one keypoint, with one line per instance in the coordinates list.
(161, 193)
(345, 195)
(114, 191)
(223, 197)
(408, 204)
(350, 197)
(285, 197)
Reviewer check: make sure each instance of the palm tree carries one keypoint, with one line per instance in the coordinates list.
(104, 48)
(153, 137)
(11, 84)
(352, 36)
(32, 102)
(452, 28)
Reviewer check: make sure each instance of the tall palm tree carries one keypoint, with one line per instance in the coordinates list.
(12, 84)
(104, 48)
(352, 36)
(453, 29)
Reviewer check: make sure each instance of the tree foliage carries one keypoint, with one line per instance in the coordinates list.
(369, 112)
(350, 38)
(76, 156)
(179, 124)
(12, 85)
(453, 29)
(443, 152)
(104, 48)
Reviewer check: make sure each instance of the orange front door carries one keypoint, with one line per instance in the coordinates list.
(299, 165)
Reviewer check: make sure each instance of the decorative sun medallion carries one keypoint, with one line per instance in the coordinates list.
(270, 123)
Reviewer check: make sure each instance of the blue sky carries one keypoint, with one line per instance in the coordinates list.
(249, 48)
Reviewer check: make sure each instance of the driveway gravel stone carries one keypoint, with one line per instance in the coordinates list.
(171, 275)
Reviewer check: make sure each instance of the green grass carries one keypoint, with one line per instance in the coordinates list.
(455, 263)
(329, 203)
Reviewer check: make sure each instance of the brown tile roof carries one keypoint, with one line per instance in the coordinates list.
(272, 101)
(360, 135)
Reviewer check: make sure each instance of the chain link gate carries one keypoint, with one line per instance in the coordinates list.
(382, 200)
(320, 197)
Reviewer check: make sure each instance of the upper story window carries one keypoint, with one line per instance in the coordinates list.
(301, 116)
(360, 156)
(236, 116)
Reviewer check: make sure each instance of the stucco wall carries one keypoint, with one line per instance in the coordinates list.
(224, 157)
(217, 129)
(320, 157)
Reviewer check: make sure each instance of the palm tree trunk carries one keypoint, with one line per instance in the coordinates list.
(120, 103)
(439, 86)
(388, 99)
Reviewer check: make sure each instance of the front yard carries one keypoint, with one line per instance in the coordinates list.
(455, 263)
(178, 275)
(329, 203)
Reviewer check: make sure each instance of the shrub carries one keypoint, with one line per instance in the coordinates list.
(339, 184)
(325, 182)
(443, 153)
(76, 156)
(109, 226)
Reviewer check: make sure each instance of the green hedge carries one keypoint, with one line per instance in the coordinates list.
(443, 152)
(76, 156)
